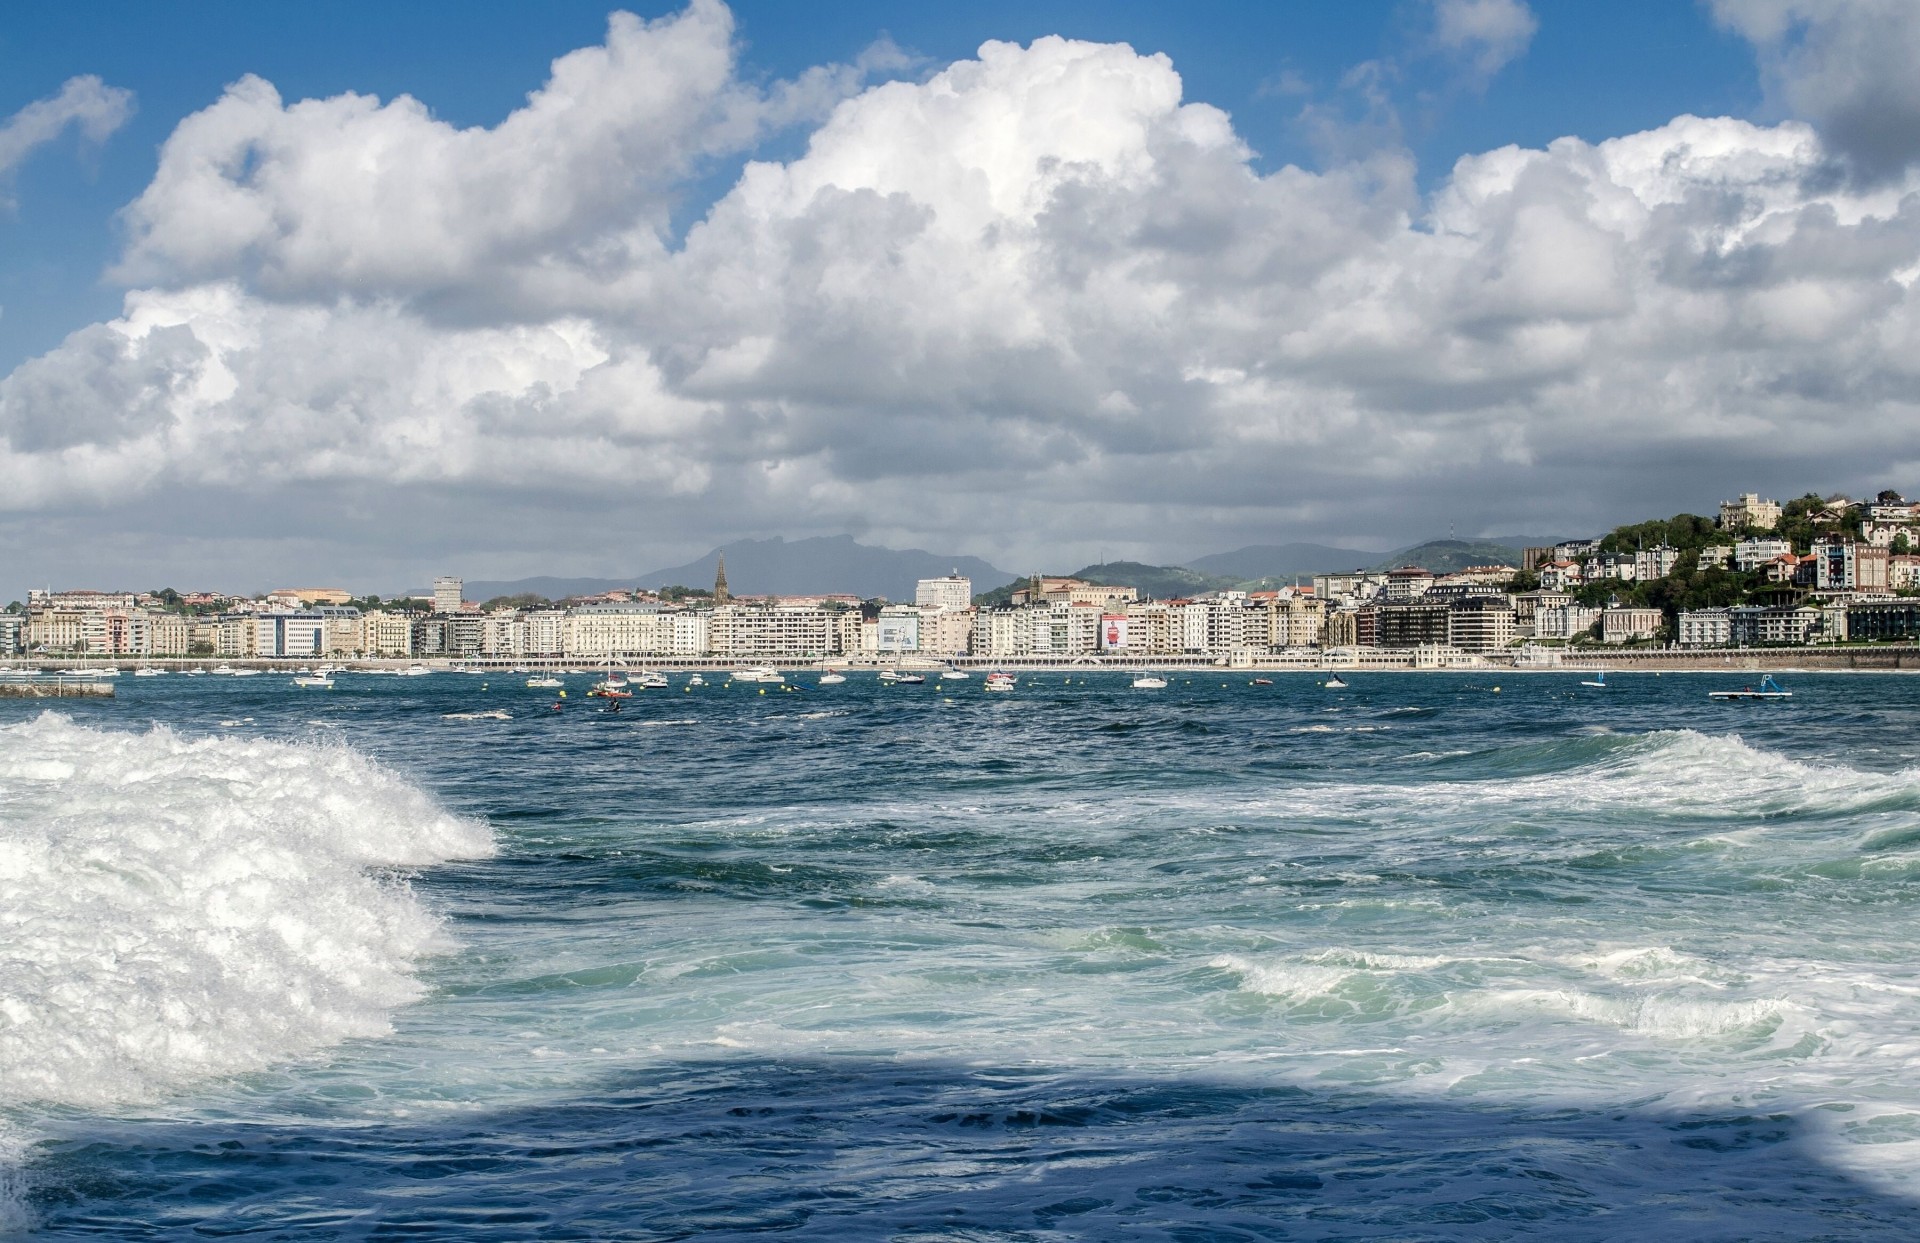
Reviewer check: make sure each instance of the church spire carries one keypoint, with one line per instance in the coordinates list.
(720, 593)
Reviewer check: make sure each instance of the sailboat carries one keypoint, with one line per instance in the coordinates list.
(1599, 680)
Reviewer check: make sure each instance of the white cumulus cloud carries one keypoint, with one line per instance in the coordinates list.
(1487, 34)
(1039, 300)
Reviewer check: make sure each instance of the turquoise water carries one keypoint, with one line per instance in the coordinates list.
(1417, 959)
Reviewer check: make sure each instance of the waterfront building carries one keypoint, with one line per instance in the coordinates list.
(1774, 626)
(1528, 603)
(599, 630)
(386, 633)
(430, 635)
(1715, 557)
(1563, 622)
(1066, 630)
(289, 634)
(234, 636)
(13, 633)
(954, 591)
(1003, 632)
(1706, 628)
(761, 632)
(1413, 624)
(1749, 511)
(1482, 623)
(1897, 620)
(448, 594)
(945, 632)
(1624, 625)
(1903, 572)
(1560, 574)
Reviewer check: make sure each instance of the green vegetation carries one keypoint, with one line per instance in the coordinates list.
(1155, 582)
(676, 594)
(1687, 532)
(523, 600)
(1448, 556)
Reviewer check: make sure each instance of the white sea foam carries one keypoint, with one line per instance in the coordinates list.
(173, 909)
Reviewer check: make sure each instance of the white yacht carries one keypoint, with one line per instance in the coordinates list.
(1150, 682)
(314, 679)
(950, 674)
(832, 679)
(696, 680)
(545, 681)
(1000, 681)
(758, 673)
(415, 671)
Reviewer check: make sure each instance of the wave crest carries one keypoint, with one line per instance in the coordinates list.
(174, 909)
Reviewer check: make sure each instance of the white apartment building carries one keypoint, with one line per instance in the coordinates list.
(1563, 621)
(1706, 628)
(1752, 553)
(13, 633)
(1749, 511)
(1066, 630)
(946, 632)
(1626, 625)
(954, 591)
(384, 633)
(448, 594)
(757, 632)
(289, 634)
(1715, 557)
(1656, 562)
(1003, 632)
(1560, 575)
(597, 630)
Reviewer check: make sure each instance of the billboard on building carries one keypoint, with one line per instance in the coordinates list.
(899, 632)
(1113, 631)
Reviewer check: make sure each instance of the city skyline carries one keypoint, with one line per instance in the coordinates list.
(1071, 280)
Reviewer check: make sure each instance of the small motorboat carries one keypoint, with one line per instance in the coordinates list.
(1335, 683)
(544, 682)
(1768, 689)
(696, 680)
(894, 677)
(223, 670)
(1150, 682)
(147, 671)
(758, 673)
(649, 680)
(245, 673)
(832, 679)
(1000, 681)
(1261, 682)
(314, 679)
(950, 674)
(415, 671)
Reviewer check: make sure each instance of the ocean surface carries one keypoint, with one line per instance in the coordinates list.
(1438, 956)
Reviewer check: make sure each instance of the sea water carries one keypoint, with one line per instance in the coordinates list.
(1436, 956)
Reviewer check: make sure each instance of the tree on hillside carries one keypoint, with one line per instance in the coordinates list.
(1687, 532)
(523, 600)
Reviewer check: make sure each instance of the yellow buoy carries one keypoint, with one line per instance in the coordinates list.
(1496, 690)
(763, 690)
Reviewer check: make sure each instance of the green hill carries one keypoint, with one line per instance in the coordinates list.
(1445, 556)
(1153, 582)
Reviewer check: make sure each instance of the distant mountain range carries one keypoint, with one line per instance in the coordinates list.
(820, 565)
(838, 563)
(1281, 561)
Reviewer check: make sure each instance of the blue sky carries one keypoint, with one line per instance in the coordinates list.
(1028, 282)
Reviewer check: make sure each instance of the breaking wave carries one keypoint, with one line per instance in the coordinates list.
(173, 909)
